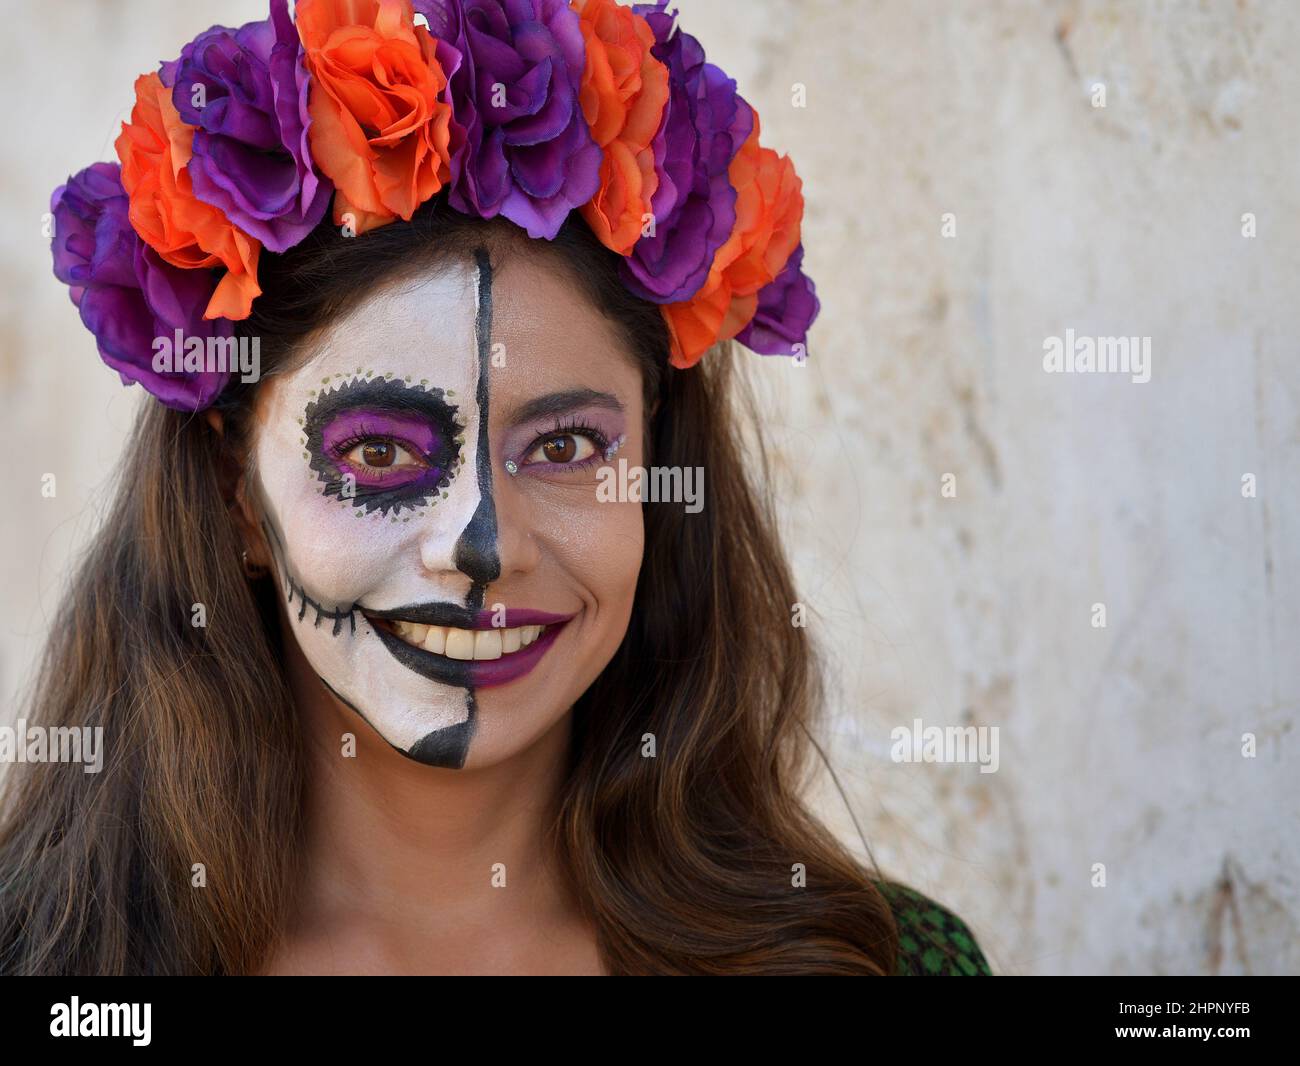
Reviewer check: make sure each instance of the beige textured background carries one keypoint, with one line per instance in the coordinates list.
(1119, 745)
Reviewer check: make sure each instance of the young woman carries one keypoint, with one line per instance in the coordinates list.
(401, 664)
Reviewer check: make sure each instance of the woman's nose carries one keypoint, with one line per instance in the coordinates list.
(460, 533)
(517, 544)
(495, 542)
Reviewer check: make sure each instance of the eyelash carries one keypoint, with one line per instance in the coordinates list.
(342, 449)
(561, 427)
(577, 429)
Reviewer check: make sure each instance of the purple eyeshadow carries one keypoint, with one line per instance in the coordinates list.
(351, 428)
(380, 410)
(607, 426)
(351, 425)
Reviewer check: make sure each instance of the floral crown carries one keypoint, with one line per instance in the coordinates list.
(527, 109)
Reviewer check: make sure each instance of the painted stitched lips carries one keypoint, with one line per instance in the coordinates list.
(383, 445)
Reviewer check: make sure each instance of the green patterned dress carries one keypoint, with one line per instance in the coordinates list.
(932, 941)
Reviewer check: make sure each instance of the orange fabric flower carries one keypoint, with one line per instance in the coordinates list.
(154, 148)
(623, 95)
(769, 214)
(380, 122)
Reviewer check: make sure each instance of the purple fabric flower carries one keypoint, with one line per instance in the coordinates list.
(705, 123)
(246, 91)
(787, 307)
(126, 294)
(528, 154)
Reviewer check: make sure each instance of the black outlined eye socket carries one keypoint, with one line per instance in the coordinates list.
(382, 445)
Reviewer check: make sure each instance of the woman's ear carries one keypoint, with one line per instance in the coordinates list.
(232, 475)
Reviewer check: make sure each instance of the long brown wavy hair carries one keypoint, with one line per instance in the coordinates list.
(683, 862)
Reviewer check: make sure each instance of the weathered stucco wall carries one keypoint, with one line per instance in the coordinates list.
(1119, 745)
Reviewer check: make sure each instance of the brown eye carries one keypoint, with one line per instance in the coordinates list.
(378, 453)
(380, 458)
(560, 449)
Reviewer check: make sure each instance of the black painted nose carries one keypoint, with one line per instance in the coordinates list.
(476, 550)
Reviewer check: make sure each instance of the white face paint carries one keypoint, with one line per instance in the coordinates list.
(374, 498)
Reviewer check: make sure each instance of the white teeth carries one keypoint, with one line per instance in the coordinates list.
(436, 640)
(466, 644)
(411, 632)
(460, 644)
(487, 644)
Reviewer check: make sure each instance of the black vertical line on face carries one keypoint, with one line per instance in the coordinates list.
(476, 550)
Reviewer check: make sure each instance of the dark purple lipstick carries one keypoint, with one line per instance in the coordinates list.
(486, 673)
(467, 673)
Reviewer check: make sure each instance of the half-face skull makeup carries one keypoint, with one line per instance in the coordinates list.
(429, 506)
(381, 447)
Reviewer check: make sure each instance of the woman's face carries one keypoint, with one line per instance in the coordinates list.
(457, 607)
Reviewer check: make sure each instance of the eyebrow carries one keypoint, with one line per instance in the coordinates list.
(558, 403)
